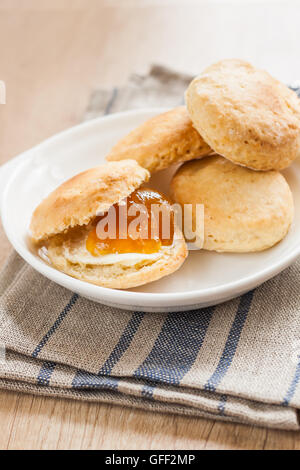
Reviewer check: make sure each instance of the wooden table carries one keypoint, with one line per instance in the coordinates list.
(52, 55)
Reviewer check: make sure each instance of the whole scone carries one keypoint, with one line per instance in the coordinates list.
(246, 115)
(244, 210)
(162, 141)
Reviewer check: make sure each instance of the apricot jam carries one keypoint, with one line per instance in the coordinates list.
(154, 230)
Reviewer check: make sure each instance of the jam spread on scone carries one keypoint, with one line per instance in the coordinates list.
(143, 223)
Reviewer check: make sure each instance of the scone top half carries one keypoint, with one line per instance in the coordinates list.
(62, 223)
(246, 115)
(79, 199)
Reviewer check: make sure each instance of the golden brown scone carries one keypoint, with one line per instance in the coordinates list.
(69, 254)
(246, 115)
(61, 223)
(85, 195)
(162, 141)
(244, 210)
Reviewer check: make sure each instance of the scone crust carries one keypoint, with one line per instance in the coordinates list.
(246, 115)
(164, 140)
(244, 210)
(87, 194)
(116, 276)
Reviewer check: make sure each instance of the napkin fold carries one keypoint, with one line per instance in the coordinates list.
(238, 361)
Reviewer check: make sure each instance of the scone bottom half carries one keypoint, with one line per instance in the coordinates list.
(65, 228)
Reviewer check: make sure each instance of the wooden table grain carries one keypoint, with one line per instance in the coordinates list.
(52, 55)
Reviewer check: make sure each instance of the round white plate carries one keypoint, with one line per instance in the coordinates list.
(205, 278)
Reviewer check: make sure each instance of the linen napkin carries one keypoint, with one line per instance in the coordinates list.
(238, 361)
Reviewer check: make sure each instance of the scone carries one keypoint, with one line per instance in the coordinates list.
(65, 228)
(244, 210)
(246, 115)
(161, 141)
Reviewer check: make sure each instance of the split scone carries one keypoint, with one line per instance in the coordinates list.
(162, 141)
(244, 210)
(246, 115)
(79, 229)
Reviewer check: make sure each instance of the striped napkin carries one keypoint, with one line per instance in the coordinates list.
(239, 361)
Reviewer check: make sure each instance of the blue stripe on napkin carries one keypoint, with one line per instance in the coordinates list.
(293, 386)
(55, 325)
(176, 347)
(222, 404)
(45, 373)
(123, 343)
(231, 343)
(86, 379)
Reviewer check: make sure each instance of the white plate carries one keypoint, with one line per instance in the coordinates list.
(204, 279)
